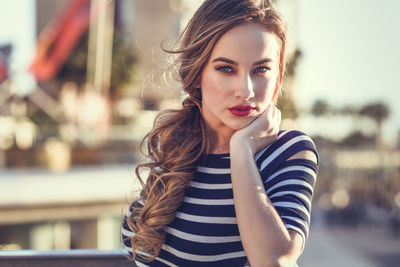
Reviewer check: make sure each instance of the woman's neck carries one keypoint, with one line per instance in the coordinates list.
(219, 139)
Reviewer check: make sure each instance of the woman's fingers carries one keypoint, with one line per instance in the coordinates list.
(273, 117)
(272, 121)
(278, 122)
(277, 118)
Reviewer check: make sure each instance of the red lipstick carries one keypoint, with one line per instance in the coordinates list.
(241, 111)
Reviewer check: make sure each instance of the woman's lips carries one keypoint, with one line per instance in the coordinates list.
(241, 111)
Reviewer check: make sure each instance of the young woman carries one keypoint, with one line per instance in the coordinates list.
(225, 187)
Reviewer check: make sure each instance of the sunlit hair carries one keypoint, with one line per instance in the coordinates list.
(177, 142)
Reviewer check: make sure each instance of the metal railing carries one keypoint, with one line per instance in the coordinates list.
(64, 258)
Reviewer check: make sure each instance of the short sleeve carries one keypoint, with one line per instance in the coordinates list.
(289, 184)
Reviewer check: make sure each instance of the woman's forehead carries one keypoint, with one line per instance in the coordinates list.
(246, 43)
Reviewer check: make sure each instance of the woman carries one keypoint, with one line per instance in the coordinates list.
(225, 186)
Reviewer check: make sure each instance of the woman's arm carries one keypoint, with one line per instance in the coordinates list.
(265, 238)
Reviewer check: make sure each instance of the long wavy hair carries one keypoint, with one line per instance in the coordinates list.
(178, 140)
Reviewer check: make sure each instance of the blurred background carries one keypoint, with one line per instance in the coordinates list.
(81, 82)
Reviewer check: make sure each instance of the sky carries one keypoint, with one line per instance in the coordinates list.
(17, 20)
(17, 27)
(351, 53)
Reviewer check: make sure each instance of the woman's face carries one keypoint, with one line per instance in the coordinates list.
(239, 80)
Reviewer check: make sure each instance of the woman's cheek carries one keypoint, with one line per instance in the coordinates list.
(213, 84)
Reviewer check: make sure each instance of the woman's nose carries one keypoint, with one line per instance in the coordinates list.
(244, 89)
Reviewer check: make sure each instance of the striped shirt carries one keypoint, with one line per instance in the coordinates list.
(205, 230)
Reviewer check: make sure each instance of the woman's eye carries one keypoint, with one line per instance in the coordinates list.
(226, 69)
(261, 69)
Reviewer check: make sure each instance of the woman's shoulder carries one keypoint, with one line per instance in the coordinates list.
(287, 144)
(292, 133)
(126, 227)
(287, 138)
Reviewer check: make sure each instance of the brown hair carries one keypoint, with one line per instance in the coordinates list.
(178, 141)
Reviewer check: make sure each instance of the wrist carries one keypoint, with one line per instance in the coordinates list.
(241, 145)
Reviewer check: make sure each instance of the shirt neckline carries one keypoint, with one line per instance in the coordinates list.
(216, 156)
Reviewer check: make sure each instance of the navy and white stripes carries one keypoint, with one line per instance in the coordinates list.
(205, 231)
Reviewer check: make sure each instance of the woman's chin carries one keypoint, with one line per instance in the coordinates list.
(242, 124)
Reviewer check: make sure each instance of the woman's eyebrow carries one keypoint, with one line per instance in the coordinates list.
(229, 61)
(262, 61)
(223, 59)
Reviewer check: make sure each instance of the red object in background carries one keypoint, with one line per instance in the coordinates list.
(56, 41)
(3, 69)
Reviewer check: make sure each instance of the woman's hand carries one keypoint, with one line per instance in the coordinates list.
(259, 133)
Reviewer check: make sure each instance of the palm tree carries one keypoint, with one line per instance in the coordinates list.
(286, 103)
(378, 112)
(320, 108)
